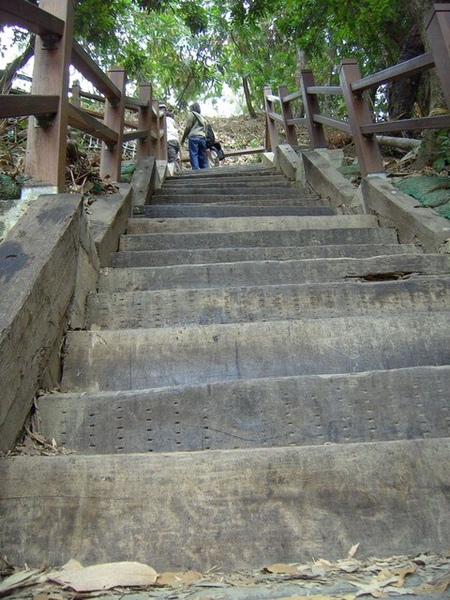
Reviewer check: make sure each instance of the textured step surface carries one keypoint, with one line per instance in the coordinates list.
(248, 224)
(234, 507)
(145, 358)
(256, 413)
(265, 303)
(271, 272)
(157, 258)
(165, 211)
(245, 239)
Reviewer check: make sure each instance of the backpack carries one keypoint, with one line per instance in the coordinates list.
(210, 137)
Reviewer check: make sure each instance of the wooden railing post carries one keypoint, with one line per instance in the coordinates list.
(45, 159)
(438, 32)
(154, 129)
(111, 156)
(286, 110)
(163, 150)
(144, 120)
(311, 105)
(272, 138)
(76, 91)
(359, 113)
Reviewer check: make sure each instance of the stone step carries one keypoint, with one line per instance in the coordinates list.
(245, 274)
(240, 509)
(275, 182)
(246, 239)
(256, 413)
(166, 211)
(225, 172)
(157, 258)
(178, 307)
(244, 201)
(145, 358)
(247, 224)
(232, 195)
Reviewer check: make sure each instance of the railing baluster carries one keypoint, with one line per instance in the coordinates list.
(438, 31)
(144, 120)
(311, 103)
(272, 137)
(45, 161)
(367, 148)
(286, 110)
(111, 156)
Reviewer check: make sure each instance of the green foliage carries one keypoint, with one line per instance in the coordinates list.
(187, 48)
(443, 150)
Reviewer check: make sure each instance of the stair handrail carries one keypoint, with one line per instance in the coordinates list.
(359, 123)
(52, 111)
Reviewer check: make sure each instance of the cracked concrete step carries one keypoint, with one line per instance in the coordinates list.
(177, 307)
(236, 508)
(245, 274)
(157, 258)
(256, 413)
(247, 224)
(128, 359)
(245, 239)
(165, 211)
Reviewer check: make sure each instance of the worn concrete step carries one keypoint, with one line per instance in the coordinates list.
(177, 307)
(225, 172)
(257, 413)
(228, 190)
(157, 258)
(144, 358)
(275, 182)
(247, 224)
(275, 272)
(309, 200)
(230, 196)
(166, 211)
(238, 509)
(245, 239)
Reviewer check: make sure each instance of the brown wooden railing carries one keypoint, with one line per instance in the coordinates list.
(51, 110)
(360, 120)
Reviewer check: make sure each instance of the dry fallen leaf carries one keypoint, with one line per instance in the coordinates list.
(178, 579)
(353, 550)
(282, 569)
(107, 576)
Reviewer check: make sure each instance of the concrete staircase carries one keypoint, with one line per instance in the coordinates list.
(262, 381)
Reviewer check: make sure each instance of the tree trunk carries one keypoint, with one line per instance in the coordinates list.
(403, 94)
(248, 99)
(419, 9)
(13, 67)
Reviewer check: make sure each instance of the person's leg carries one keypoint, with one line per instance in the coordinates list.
(172, 150)
(193, 153)
(202, 159)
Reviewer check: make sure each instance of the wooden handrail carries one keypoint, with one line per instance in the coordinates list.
(404, 69)
(80, 119)
(30, 17)
(360, 116)
(52, 22)
(91, 71)
(25, 105)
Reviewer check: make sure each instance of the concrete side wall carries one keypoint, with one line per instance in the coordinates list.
(49, 262)
(38, 268)
(414, 223)
(376, 195)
